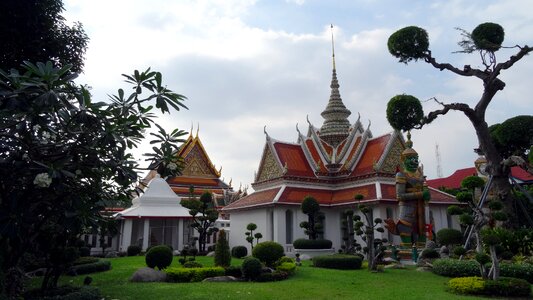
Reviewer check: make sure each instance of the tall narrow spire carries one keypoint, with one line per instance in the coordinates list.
(336, 126)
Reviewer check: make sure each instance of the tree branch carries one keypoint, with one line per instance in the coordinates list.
(469, 112)
(512, 60)
(467, 70)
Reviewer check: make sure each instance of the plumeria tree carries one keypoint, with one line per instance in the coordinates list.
(64, 157)
(412, 44)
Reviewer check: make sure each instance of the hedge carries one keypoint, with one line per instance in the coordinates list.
(99, 266)
(518, 270)
(86, 260)
(455, 268)
(311, 244)
(192, 274)
(504, 286)
(338, 261)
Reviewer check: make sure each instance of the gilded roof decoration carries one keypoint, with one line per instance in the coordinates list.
(269, 168)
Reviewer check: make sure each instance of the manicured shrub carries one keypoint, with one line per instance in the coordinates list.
(85, 251)
(449, 236)
(311, 244)
(134, 250)
(222, 253)
(284, 259)
(504, 286)
(274, 276)
(488, 36)
(192, 264)
(89, 268)
(519, 270)
(239, 251)
(159, 256)
(459, 250)
(268, 252)
(233, 271)
(251, 268)
(338, 261)
(288, 267)
(455, 268)
(192, 274)
(429, 253)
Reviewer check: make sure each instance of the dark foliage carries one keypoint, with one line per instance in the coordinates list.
(251, 268)
(239, 251)
(66, 292)
(488, 36)
(409, 43)
(429, 253)
(455, 268)
(404, 112)
(88, 268)
(34, 30)
(222, 252)
(233, 271)
(268, 252)
(449, 236)
(133, 250)
(312, 244)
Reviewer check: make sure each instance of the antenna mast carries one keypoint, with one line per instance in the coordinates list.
(439, 162)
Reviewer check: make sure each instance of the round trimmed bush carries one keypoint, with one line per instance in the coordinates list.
(404, 112)
(449, 236)
(409, 43)
(134, 250)
(338, 261)
(239, 251)
(251, 268)
(311, 244)
(268, 252)
(159, 256)
(488, 36)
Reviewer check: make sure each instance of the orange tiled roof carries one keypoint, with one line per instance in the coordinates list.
(388, 191)
(294, 157)
(314, 153)
(254, 199)
(327, 197)
(328, 148)
(196, 181)
(373, 151)
(354, 148)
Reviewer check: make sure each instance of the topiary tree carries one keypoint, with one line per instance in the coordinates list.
(159, 256)
(203, 215)
(491, 239)
(268, 252)
(251, 236)
(222, 253)
(375, 247)
(312, 226)
(449, 236)
(411, 43)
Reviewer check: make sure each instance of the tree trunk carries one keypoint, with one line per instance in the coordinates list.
(495, 263)
(500, 181)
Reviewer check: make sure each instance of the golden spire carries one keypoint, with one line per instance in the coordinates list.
(332, 46)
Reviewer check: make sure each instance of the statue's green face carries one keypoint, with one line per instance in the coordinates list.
(411, 163)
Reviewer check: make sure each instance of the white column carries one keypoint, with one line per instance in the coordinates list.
(180, 234)
(146, 233)
(126, 234)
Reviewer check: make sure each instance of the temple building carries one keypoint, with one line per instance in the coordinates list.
(332, 163)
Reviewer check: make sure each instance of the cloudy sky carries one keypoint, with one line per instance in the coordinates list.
(246, 64)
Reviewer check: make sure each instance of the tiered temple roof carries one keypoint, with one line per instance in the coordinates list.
(332, 164)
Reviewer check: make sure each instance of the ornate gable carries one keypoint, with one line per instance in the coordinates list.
(269, 167)
(196, 160)
(391, 158)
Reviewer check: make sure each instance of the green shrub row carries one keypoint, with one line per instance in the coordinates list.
(192, 274)
(519, 270)
(86, 260)
(465, 268)
(338, 261)
(455, 268)
(99, 266)
(504, 286)
(234, 271)
(311, 244)
(274, 276)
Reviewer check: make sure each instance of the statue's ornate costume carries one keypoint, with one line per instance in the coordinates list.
(412, 195)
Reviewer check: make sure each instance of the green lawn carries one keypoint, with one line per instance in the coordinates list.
(308, 283)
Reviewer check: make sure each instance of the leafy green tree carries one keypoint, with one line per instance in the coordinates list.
(34, 30)
(251, 236)
(65, 157)
(204, 216)
(411, 43)
(312, 226)
(514, 136)
(222, 252)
